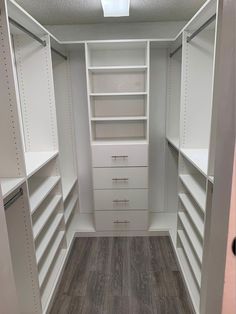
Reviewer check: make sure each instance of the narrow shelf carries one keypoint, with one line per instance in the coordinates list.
(43, 245)
(196, 244)
(211, 179)
(192, 211)
(104, 69)
(36, 160)
(118, 94)
(191, 182)
(8, 185)
(39, 189)
(47, 213)
(198, 158)
(140, 118)
(67, 188)
(173, 142)
(50, 257)
(70, 208)
(190, 256)
(119, 142)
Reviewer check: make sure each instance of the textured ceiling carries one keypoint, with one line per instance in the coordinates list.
(56, 12)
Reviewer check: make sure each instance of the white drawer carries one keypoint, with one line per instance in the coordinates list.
(121, 199)
(120, 155)
(120, 178)
(121, 220)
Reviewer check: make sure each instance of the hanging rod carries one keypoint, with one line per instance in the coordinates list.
(13, 199)
(209, 21)
(25, 30)
(176, 50)
(59, 53)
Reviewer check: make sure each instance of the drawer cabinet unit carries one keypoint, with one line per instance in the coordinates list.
(118, 100)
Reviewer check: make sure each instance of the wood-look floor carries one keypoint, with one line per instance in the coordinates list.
(137, 275)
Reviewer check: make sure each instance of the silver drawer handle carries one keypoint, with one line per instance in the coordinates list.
(119, 156)
(120, 179)
(121, 222)
(120, 201)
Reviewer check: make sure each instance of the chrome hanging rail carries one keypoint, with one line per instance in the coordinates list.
(176, 50)
(25, 30)
(13, 199)
(59, 53)
(209, 21)
(42, 42)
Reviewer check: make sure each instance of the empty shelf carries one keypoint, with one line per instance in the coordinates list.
(118, 94)
(191, 257)
(70, 207)
(196, 244)
(67, 187)
(173, 142)
(36, 160)
(117, 69)
(45, 241)
(193, 213)
(50, 257)
(140, 118)
(8, 185)
(39, 189)
(198, 158)
(192, 182)
(45, 216)
(211, 179)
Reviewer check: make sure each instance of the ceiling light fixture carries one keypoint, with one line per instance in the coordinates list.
(115, 8)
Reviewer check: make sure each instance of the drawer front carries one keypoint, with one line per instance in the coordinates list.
(121, 220)
(120, 178)
(121, 199)
(120, 155)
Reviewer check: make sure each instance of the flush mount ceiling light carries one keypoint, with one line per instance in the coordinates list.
(115, 8)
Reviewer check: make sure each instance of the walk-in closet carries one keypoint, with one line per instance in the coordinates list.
(117, 135)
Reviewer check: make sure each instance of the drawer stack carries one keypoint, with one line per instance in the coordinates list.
(120, 182)
(118, 106)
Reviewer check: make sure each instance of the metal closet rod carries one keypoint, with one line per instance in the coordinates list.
(42, 42)
(13, 199)
(189, 38)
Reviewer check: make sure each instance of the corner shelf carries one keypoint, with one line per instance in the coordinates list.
(36, 160)
(8, 185)
(195, 242)
(198, 158)
(191, 182)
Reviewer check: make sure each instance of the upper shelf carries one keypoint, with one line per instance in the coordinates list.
(118, 94)
(8, 185)
(117, 69)
(36, 160)
(141, 118)
(198, 158)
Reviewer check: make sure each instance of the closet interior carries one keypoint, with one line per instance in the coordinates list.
(149, 152)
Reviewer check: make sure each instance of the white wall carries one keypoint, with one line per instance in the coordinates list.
(79, 95)
(116, 31)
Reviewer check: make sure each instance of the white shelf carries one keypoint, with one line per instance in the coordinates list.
(189, 279)
(198, 158)
(118, 94)
(50, 257)
(36, 160)
(190, 256)
(211, 179)
(67, 188)
(70, 208)
(191, 182)
(45, 241)
(39, 189)
(141, 118)
(85, 223)
(196, 244)
(192, 211)
(47, 213)
(173, 142)
(104, 69)
(8, 185)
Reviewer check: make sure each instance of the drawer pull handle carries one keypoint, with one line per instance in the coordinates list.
(120, 201)
(119, 156)
(120, 179)
(121, 222)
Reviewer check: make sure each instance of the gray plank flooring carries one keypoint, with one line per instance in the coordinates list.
(122, 275)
